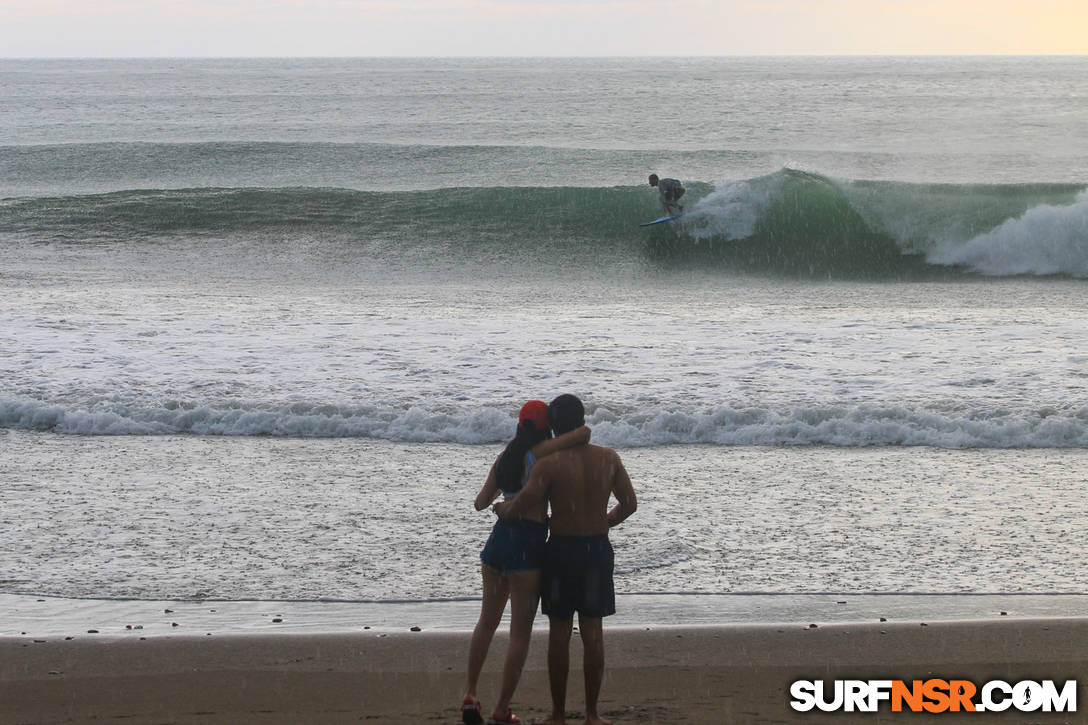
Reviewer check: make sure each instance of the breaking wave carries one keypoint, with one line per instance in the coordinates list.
(787, 223)
(846, 426)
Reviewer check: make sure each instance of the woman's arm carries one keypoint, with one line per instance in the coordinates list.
(576, 437)
(490, 490)
(531, 493)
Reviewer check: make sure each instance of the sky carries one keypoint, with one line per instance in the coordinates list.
(183, 28)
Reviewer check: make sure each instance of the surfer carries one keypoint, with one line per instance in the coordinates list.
(670, 191)
(512, 558)
(577, 482)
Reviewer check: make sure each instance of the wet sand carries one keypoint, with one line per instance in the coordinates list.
(721, 674)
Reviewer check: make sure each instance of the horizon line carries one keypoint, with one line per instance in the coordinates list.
(544, 57)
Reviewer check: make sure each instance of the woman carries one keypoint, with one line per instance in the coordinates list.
(511, 559)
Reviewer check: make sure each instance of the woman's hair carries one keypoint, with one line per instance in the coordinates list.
(511, 463)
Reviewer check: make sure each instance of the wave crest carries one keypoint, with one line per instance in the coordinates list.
(787, 223)
(846, 426)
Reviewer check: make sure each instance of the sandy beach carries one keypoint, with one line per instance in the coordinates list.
(723, 674)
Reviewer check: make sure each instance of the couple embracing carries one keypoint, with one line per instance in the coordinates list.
(564, 561)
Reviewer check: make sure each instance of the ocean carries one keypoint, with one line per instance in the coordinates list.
(266, 323)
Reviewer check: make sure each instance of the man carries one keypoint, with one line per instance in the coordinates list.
(670, 190)
(577, 483)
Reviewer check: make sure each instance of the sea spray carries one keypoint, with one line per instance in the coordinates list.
(1047, 239)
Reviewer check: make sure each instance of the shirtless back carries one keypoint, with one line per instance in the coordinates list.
(578, 483)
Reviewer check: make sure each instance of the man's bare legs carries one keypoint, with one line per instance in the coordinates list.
(559, 631)
(524, 589)
(496, 591)
(592, 633)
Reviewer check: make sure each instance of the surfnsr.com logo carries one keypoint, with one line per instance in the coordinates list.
(933, 696)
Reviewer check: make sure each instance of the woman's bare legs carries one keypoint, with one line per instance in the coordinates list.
(524, 587)
(496, 592)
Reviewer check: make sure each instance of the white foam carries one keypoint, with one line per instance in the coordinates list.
(861, 425)
(848, 426)
(1045, 240)
(412, 425)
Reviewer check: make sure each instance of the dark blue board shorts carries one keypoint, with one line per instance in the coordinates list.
(577, 577)
(515, 545)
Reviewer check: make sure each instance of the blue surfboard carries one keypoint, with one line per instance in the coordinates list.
(662, 219)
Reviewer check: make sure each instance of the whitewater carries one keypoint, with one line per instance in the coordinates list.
(265, 324)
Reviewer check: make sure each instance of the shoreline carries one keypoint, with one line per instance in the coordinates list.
(39, 616)
(679, 674)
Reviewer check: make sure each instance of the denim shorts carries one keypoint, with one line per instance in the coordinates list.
(515, 545)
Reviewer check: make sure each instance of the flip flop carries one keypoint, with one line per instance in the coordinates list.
(510, 719)
(470, 712)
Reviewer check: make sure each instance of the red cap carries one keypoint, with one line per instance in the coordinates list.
(537, 412)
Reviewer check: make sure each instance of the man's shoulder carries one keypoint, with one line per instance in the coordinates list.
(603, 452)
(568, 455)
